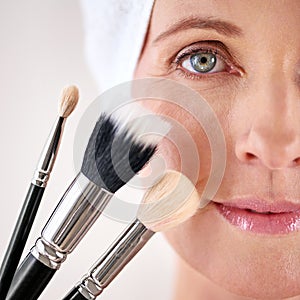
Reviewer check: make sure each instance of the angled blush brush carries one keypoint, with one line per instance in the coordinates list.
(36, 190)
(170, 202)
(112, 144)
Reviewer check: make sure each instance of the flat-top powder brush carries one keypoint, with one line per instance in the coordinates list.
(114, 154)
(36, 190)
(170, 202)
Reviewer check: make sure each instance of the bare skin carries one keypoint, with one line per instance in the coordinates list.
(254, 89)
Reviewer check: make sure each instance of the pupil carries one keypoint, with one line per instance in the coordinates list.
(203, 60)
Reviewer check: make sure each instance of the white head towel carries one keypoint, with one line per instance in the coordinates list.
(115, 31)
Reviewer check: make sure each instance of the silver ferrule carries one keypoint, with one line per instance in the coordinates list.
(76, 212)
(114, 260)
(48, 156)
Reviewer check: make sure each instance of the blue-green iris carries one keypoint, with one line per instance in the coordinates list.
(203, 62)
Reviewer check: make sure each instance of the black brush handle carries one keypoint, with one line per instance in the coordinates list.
(74, 294)
(30, 280)
(19, 237)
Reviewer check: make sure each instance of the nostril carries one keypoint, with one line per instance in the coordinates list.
(297, 161)
(250, 156)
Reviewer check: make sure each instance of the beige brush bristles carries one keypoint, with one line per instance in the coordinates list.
(171, 201)
(69, 100)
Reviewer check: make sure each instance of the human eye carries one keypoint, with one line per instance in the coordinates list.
(205, 59)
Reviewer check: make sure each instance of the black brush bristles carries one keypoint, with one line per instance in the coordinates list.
(114, 154)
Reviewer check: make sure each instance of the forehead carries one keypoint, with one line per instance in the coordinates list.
(279, 16)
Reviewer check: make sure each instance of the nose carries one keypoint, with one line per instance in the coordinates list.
(272, 138)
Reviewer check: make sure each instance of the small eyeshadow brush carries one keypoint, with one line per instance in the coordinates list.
(36, 190)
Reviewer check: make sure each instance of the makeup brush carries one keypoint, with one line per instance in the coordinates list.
(114, 154)
(170, 202)
(36, 190)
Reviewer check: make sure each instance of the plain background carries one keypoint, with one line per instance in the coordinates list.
(41, 51)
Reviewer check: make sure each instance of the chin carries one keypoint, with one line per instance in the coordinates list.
(257, 286)
(249, 264)
(264, 288)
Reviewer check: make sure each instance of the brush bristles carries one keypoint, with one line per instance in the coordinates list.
(114, 154)
(141, 123)
(69, 100)
(171, 201)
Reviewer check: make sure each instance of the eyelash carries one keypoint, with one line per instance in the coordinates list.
(233, 69)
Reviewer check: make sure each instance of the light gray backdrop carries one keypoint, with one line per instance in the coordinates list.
(41, 51)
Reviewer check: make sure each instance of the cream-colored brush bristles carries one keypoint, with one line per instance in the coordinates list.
(141, 123)
(69, 100)
(171, 201)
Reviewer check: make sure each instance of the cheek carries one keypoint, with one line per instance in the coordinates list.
(186, 148)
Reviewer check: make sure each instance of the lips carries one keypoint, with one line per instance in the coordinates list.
(261, 217)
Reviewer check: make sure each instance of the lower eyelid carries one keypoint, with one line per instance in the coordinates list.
(224, 75)
(212, 81)
(194, 75)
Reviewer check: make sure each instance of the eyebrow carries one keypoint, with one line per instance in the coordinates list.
(222, 27)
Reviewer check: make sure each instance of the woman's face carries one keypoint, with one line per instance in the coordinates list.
(243, 57)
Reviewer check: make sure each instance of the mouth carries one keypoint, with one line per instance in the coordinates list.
(260, 217)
